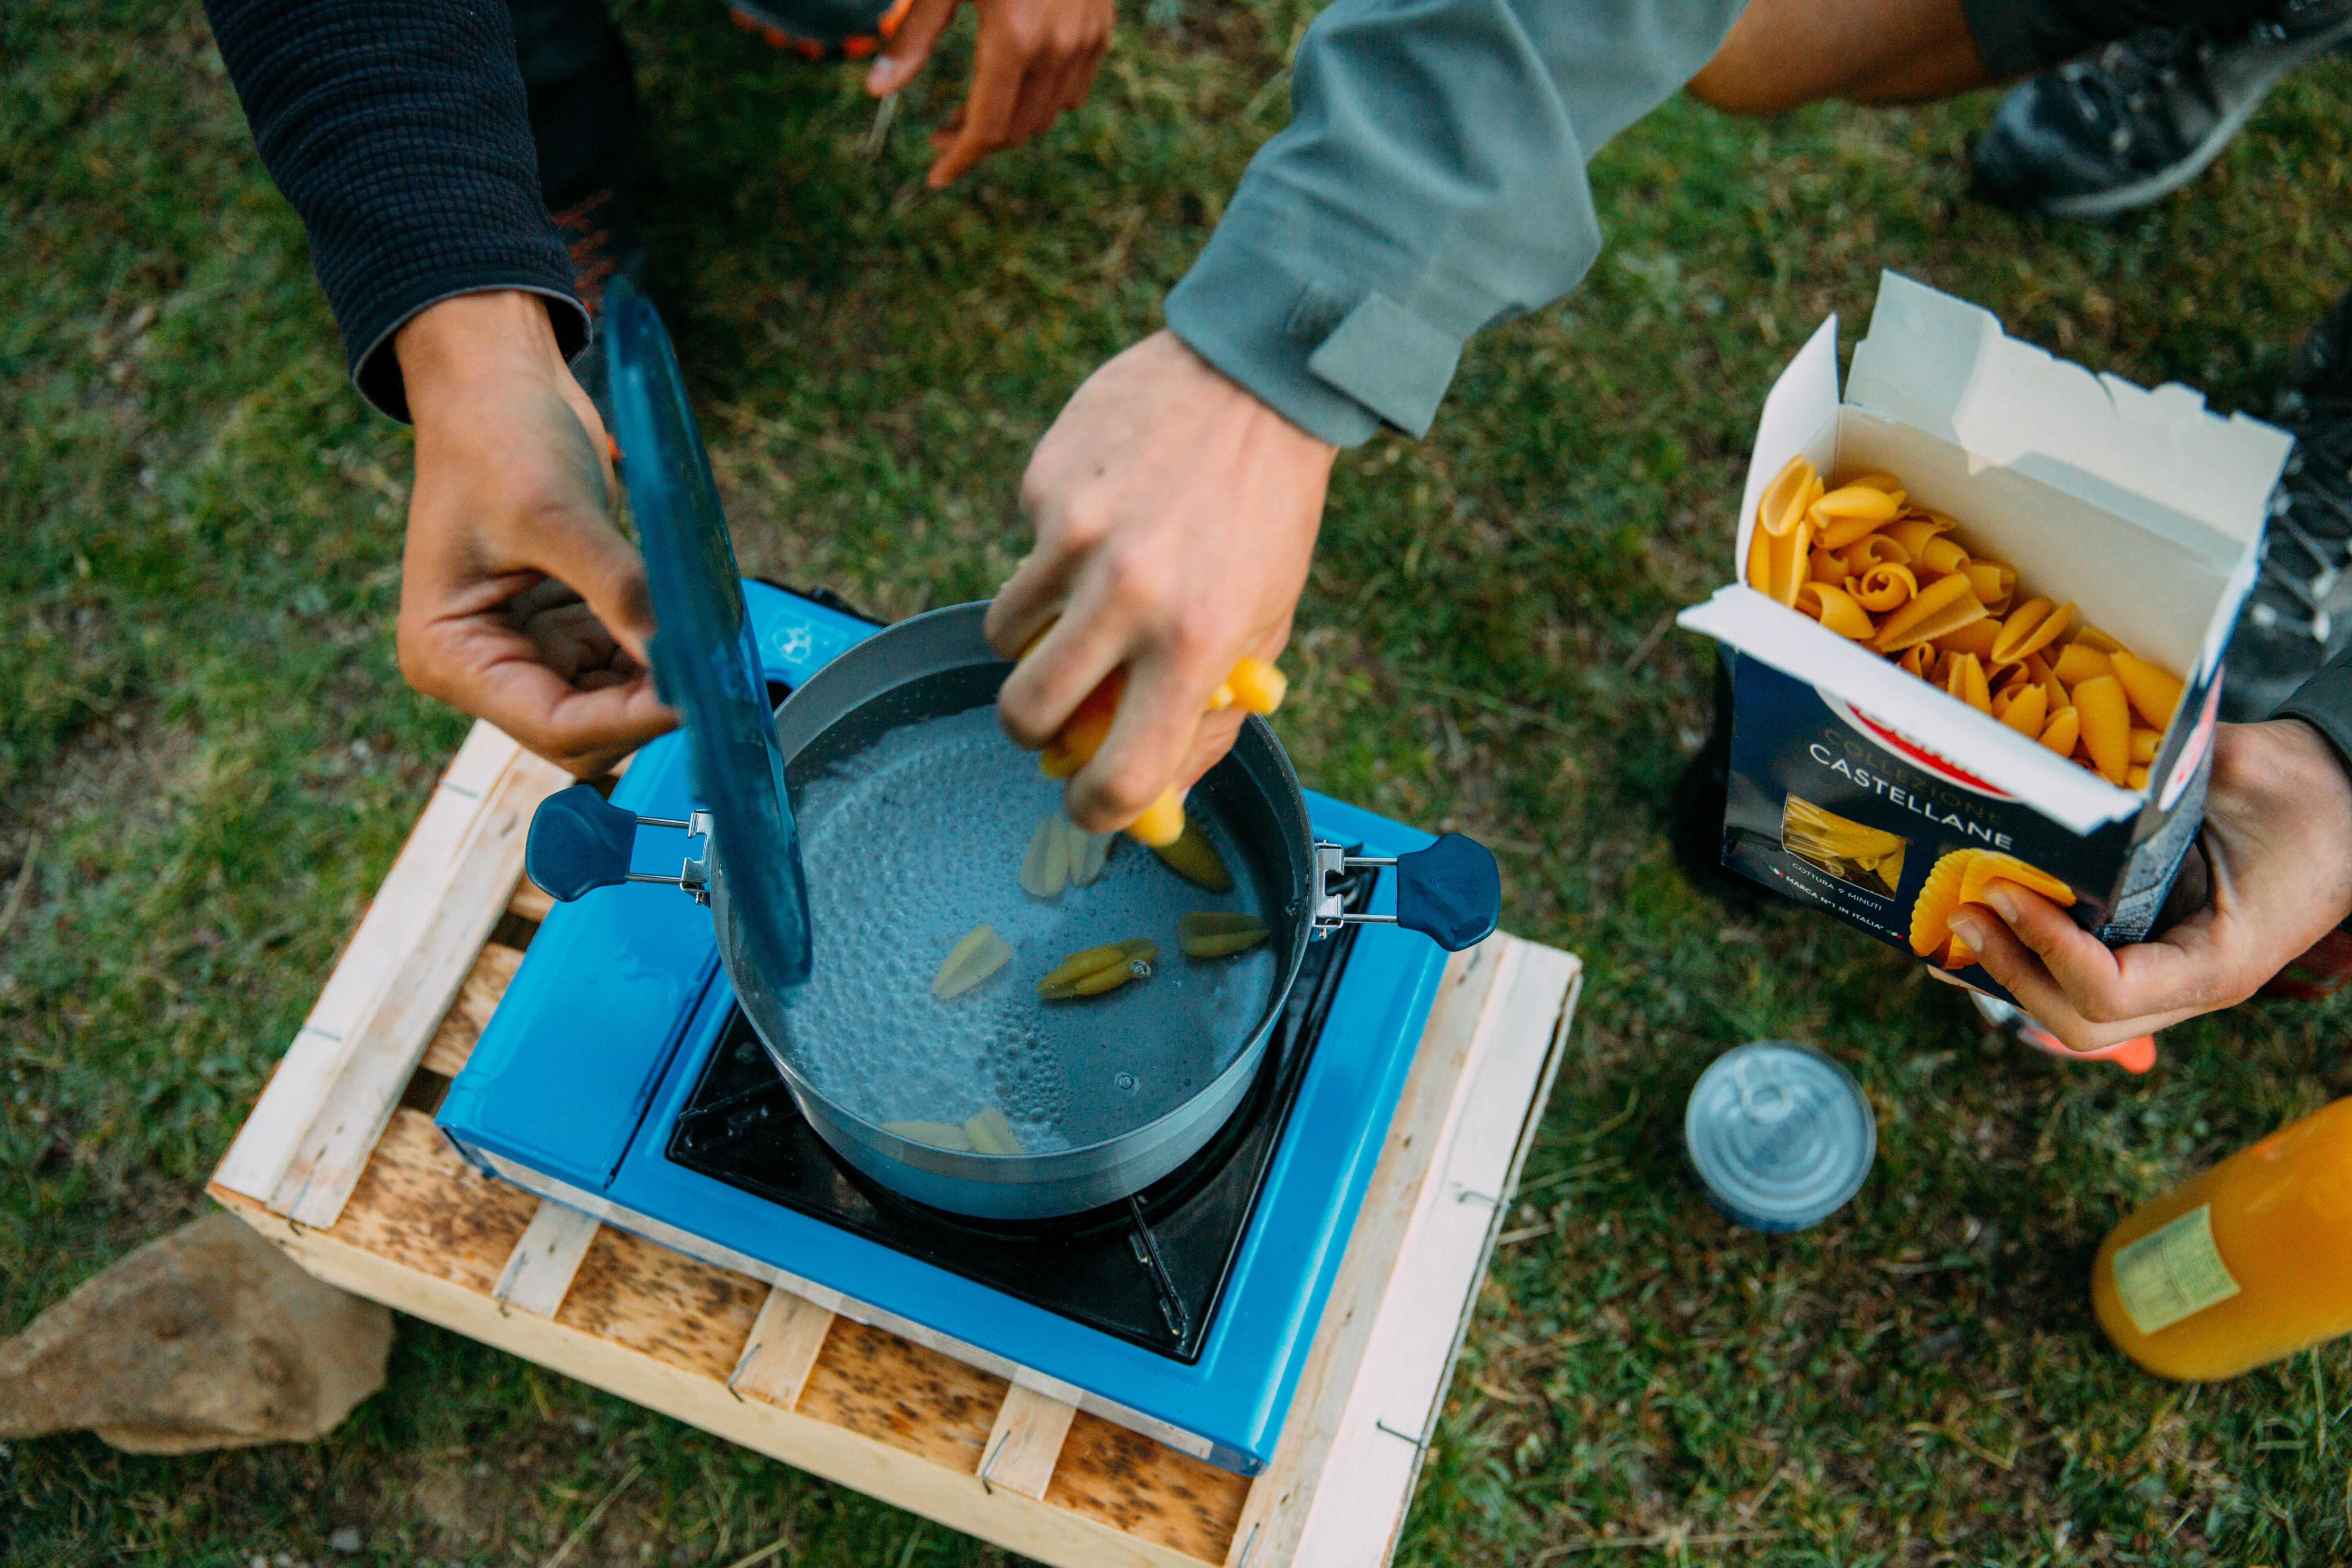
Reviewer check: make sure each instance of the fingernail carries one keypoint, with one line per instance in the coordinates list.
(1970, 929)
(2002, 904)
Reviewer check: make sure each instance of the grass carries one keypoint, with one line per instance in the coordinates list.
(207, 760)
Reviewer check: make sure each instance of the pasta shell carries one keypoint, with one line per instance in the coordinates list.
(1940, 557)
(1993, 582)
(1836, 609)
(1088, 851)
(1873, 549)
(980, 953)
(1967, 682)
(1786, 498)
(2065, 728)
(2107, 725)
(989, 1132)
(1257, 685)
(1195, 859)
(1931, 911)
(2097, 639)
(1777, 561)
(1845, 514)
(1826, 566)
(2135, 778)
(2025, 709)
(2080, 661)
(1975, 637)
(1915, 661)
(2153, 693)
(1880, 482)
(1045, 864)
(1937, 610)
(1099, 969)
(938, 1134)
(2031, 628)
(1985, 865)
(1214, 933)
(2144, 742)
(1913, 532)
(1882, 588)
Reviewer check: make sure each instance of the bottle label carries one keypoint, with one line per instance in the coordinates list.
(2173, 1272)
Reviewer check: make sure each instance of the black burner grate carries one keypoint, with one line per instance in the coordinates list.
(1150, 1269)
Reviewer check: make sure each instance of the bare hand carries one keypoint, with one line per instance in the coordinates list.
(519, 602)
(2277, 873)
(1033, 58)
(1175, 515)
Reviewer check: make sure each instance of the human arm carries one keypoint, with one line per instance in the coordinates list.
(1431, 182)
(1032, 60)
(2273, 873)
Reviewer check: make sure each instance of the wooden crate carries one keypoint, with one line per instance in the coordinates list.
(360, 1189)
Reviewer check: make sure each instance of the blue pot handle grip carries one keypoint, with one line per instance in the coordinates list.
(579, 842)
(1451, 892)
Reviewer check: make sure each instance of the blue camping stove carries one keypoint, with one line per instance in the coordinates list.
(619, 1077)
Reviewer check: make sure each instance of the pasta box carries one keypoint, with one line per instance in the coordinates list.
(1888, 792)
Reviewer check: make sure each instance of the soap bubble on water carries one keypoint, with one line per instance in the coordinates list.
(911, 843)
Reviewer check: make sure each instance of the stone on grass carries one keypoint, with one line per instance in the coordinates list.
(206, 1338)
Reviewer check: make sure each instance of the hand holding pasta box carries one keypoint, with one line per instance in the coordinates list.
(1977, 626)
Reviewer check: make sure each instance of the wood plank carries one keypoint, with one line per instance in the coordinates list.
(528, 901)
(477, 998)
(1147, 1490)
(1027, 1441)
(786, 1341)
(407, 902)
(388, 1042)
(871, 1382)
(1473, 986)
(683, 1313)
(1392, 1407)
(546, 1259)
(1037, 1529)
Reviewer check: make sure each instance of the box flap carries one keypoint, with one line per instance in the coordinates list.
(2072, 795)
(2154, 457)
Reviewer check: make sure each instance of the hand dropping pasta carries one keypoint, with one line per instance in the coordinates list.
(1877, 569)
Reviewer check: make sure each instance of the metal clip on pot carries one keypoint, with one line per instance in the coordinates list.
(1450, 892)
(580, 841)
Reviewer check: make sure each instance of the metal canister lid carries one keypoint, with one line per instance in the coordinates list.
(1780, 1134)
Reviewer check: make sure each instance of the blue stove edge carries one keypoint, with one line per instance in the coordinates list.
(601, 1036)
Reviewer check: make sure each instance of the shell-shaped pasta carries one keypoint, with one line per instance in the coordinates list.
(1931, 911)
(1786, 498)
(1834, 608)
(1994, 581)
(2031, 628)
(2107, 725)
(2078, 660)
(1845, 514)
(1879, 481)
(1884, 588)
(2035, 667)
(1941, 556)
(1777, 561)
(1917, 660)
(1914, 531)
(2144, 742)
(2023, 708)
(2153, 693)
(2059, 696)
(2135, 778)
(1975, 637)
(1989, 864)
(2097, 638)
(1873, 549)
(1824, 566)
(1961, 878)
(2063, 728)
(1937, 610)
(1966, 681)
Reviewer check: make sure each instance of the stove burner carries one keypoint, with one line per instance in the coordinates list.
(1150, 1268)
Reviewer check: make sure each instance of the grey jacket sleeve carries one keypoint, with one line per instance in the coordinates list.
(2325, 702)
(1431, 182)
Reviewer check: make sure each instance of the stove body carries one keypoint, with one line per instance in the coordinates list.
(613, 1078)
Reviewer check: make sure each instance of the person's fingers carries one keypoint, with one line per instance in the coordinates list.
(1031, 600)
(1211, 742)
(586, 553)
(1160, 713)
(909, 47)
(998, 64)
(504, 681)
(2083, 967)
(1055, 676)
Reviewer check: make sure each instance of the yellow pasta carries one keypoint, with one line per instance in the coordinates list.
(1994, 582)
(1914, 531)
(1886, 482)
(1967, 682)
(1961, 878)
(2062, 731)
(1824, 566)
(1834, 608)
(1843, 848)
(2153, 693)
(1940, 608)
(2078, 660)
(1845, 514)
(1793, 490)
(2031, 628)
(2022, 707)
(2144, 742)
(2097, 639)
(2107, 725)
(1975, 637)
(1777, 561)
(1884, 588)
(1917, 660)
(1873, 549)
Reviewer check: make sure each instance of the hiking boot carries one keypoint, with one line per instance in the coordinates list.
(600, 232)
(2299, 613)
(2140, 119)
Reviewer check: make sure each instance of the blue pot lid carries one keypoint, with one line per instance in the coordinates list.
(706, 662)
(1780, 1135)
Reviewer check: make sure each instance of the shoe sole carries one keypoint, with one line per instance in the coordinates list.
(2157, 186)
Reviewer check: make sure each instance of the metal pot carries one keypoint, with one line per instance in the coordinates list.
(755, 769)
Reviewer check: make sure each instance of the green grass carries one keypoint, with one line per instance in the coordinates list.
(202, 734)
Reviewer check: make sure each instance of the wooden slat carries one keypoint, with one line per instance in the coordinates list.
(1393, 1406)
(1147, 1490)
(388, 1042)
(410, 900)
(871, 1382)
(783, 1350)
(477, 998)
(1472, 988)
(546, 1259)
(1027, 1441)
(682, 1313)
(528, 901)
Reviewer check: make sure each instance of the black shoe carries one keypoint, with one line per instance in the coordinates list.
(601, 234)
(2300, 613)
(2142, 118)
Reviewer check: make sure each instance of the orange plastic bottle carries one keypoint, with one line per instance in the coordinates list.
(2241, 1265)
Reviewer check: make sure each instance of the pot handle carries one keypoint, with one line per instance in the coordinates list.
(579, 842)
(1450, 892)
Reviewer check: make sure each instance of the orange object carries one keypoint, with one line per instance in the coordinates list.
(2241, 1267)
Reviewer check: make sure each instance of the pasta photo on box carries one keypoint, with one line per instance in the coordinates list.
(1976, 625)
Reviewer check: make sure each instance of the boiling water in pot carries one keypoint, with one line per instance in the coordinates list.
(911, 842)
